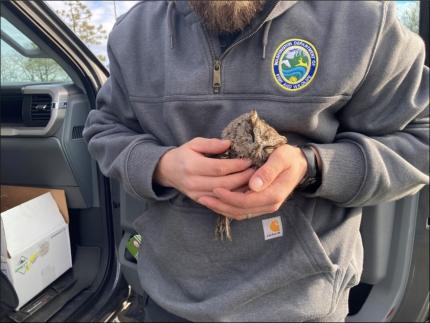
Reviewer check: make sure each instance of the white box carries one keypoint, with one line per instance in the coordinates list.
(35, 243)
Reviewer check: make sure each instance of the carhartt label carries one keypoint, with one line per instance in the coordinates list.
(272, 228)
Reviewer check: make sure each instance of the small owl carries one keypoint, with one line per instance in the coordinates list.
(251, 138)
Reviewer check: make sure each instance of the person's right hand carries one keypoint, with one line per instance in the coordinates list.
(187, 169)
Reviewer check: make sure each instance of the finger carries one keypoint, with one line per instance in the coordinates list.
(209, 146)
(234, 212)
(275, 194)
(219, 167)
(230, 182)
(242, 189)
(196, 195)
(267, 173)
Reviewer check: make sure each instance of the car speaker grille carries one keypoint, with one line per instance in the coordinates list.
(77, 132)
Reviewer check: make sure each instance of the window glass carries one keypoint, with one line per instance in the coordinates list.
(18, 36)
(16, 67)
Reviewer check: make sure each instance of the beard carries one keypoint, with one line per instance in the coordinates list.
(226, 16)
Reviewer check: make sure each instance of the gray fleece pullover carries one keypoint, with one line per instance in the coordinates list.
(363, 104)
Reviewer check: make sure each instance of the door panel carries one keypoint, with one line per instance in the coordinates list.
(60, 160)
(387, 257)
(377, 231)
(129, 210)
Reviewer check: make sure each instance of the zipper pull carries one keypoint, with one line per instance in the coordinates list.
(216, 82)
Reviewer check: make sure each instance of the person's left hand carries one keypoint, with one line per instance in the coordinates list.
(270, 186)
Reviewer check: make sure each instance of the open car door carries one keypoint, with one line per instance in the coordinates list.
(49, 85)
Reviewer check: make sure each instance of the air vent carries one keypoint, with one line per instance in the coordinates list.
(36, 110)
(40, 111)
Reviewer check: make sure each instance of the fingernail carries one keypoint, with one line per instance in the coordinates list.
(257, 183)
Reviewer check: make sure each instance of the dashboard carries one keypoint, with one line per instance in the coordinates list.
(34, 110)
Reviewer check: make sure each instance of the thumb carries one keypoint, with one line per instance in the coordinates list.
(209, 146)
(267, 173)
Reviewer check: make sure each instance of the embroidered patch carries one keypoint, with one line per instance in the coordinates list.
(272, 228)
(294, 64)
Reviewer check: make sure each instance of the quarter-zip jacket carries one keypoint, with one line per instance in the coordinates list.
(365, 111)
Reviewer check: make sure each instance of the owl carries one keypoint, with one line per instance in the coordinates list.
(251, 138)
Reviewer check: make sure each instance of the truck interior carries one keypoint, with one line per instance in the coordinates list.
(42, 146)
(43, 109)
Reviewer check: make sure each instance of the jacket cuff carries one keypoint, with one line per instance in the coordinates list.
(343, 170)
(140, 167)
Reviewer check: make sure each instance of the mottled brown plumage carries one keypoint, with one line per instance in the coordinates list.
(251, 138)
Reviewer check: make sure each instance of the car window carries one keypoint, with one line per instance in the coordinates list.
(18, 36)
(22, 61)
(409, 14)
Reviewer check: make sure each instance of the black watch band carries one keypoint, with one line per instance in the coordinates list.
(312, 179)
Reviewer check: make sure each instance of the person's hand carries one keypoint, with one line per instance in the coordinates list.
(271, 184)
(187, 169)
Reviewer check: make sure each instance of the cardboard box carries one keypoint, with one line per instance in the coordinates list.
(35, 243)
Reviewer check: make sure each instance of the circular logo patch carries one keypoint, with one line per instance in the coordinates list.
(295, 64)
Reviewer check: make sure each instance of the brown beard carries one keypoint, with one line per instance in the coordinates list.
(226, 16)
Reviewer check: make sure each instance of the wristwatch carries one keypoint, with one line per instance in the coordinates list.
(312, 180)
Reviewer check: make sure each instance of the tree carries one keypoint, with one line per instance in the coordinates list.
(35, 70)
(410, 16)
(78, 16)
(10, 70)
(18, 68)
(43, 70)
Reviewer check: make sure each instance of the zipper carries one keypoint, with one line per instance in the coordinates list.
(216, 78)
(216, 71)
